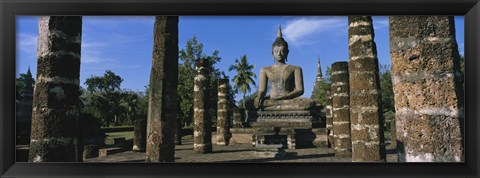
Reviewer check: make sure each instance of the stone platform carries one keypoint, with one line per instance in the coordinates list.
(293, 129)
(240, 153)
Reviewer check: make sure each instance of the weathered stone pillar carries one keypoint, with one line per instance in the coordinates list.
(162, 105)
(329, 118)
(426, 84)
(202, 134)
(222, 113)
(341, 109)
(139, 135)
(56, 96)
(365, 103)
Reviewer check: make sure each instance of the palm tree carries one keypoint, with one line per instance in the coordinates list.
(244, 76)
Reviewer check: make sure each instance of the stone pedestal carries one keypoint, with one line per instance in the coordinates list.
(291, 134)
(242, 136)
(55, 101)
(365, 109)
(341, 109)
(202, 134)
(270, 151)
(427, 86)
(162, 105)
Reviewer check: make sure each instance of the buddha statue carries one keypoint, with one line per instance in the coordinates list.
(286, 83)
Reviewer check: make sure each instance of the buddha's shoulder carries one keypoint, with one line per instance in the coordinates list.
(267, 68)
(294, 67)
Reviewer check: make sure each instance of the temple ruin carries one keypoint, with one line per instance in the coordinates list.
(426, 81)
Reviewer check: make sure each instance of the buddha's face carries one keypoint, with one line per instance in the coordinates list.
(280, 53)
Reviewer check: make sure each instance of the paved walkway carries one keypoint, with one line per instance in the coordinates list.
(237, 153)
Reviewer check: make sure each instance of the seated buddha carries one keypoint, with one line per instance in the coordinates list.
(286, 82)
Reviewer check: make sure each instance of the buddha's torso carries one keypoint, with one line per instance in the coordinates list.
(282, 79)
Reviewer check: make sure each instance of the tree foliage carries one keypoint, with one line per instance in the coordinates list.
(386, 88)
(20, 83)
(186, 73)
(244, 77)
(104, 96)
(324, 85)
(386, 91)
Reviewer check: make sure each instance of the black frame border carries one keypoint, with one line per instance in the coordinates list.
(10, 8)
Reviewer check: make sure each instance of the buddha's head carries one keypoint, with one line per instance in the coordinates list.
(280, 48)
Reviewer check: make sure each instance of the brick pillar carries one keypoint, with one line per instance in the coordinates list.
(162, 105)
(341, 109)
(365, 103)
(202, 134)
(222, 113)
(329, 118)
(56, 95)
(428, 93)
(139, 135)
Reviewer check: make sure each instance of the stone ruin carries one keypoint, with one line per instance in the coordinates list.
(366, 117)
(202, 133)
(341, 109)
(223, 133)
(55, 100)
(428, 92)
(162, 104)
(426, 81)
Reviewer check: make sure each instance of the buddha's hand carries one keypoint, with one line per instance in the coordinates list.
(278, 97)
(258, 100)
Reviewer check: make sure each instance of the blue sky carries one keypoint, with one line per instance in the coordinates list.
(124, 44)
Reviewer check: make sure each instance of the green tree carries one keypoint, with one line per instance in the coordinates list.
(244, 77)
(323, 86)
(186, 74)
(20, 83)
(386, 89)
(129, 102)
(104, 96)
(107, 83)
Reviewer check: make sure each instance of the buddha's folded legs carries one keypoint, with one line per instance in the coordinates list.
(287, 105)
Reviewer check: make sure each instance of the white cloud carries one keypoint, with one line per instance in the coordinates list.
(301, 30)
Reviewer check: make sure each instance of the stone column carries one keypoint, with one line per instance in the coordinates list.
(56, 95)
(341, 109)
(427, 89)
(202, 134)
(139, 135)
(365, 103)
(222, 112)
(162, 105)
(329, 118)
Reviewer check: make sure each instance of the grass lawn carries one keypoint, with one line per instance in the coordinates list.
(127, 134)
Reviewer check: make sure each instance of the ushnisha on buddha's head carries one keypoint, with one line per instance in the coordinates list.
(280, 48)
